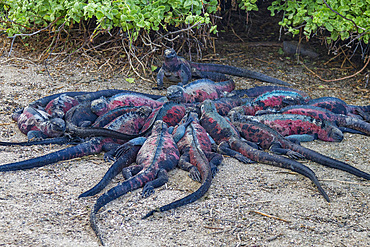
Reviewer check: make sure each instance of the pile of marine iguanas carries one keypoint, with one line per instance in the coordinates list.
(191, 128)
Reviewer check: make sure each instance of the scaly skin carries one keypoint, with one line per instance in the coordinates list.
(224, 105)
(266, 137)
(323, 114)
(194, 147)
(294, 124)
(81, 115)
(171, 113)
(271, 100)
(60, 105)
(106, 118)
(132, 122)
(158, 155)
(36, 119)
(128, 152)
(340, 107)
(86, 96)
(103, 105)
(254, 92)
(124, 127)
(222, 130)
(199, 90)
(93, 146)
(179, 69)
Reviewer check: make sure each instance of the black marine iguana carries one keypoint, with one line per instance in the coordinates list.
(227, 136)
(338, 106)
(349, 122)
(197, 158)
(269, 138)
(158, 155)
(179, 69)
(199, 90)
(295, 124)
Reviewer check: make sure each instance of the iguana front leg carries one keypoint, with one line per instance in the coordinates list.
(160, 77)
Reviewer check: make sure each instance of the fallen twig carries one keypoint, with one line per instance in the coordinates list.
(270, 216)
(232, 29)
(17, 58)
(339, 79)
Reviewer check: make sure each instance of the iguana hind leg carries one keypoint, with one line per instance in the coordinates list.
(162, 178)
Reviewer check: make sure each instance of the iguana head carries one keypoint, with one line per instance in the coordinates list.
(169, 53)
(145, 110)
(330, 132)
(53, 128)
(159, 126)
(99, 106)
(176, 93)
(208, 106)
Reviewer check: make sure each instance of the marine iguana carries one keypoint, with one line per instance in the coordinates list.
(271, 100)
(109, 116)
(80, 115)
(103, 105)
(125, 156)
(158, 155)
(338, 106)
(179, 69)
(323, 114)
(197, 158)
(170, 112)
(294, 124)
(60, 105)
(269, 138)
(224, 105)
(131, 123)
(124, 127)
(33, 119)
(199, 90)
(254, 92)
(87, 96)
(222, 131)
(92, 146)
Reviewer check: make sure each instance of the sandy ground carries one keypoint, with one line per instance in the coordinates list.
(39, 207)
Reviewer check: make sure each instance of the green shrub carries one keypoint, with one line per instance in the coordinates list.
(308, 16)
(312, 16)
(130, 15)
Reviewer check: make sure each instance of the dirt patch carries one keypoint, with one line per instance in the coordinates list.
(40, 207)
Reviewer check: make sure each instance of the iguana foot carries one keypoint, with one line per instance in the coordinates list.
(295, 155)
(195, 174)
(147, 191)
(214, 170)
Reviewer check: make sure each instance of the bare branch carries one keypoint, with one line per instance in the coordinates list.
(177, 31)
(23, 34)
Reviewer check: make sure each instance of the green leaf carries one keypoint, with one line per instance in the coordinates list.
(188, 3)
(130, 80)
(329, 27)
